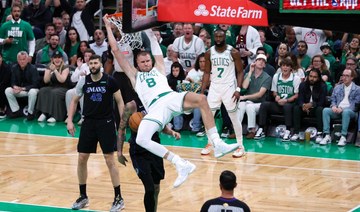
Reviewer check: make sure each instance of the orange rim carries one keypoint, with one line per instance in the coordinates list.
(116, 15)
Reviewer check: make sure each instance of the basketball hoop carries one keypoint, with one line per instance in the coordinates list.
(134, 40)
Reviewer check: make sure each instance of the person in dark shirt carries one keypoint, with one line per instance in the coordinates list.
(98, 90)
(227, 201)
(149, 167)
(24, 82)
(312, 99)
(5, 76)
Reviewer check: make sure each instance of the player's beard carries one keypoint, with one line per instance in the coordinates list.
(95, 72)
(221, 44)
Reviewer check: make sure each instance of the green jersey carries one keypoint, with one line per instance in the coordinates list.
(285, 89)
(21, 32)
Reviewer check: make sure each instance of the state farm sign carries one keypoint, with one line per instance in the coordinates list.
(218, 11)
(234, 12)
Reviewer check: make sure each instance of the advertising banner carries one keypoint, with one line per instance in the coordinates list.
(320, 6)
(234, 12)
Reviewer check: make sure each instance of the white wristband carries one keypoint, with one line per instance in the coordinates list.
(238, 89)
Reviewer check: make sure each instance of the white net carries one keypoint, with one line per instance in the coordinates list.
(134, 40)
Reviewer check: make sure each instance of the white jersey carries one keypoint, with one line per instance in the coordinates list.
(126, 50)
(150, 85)
(188, 52)
(222, 66)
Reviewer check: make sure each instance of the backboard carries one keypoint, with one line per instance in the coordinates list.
(139, 15)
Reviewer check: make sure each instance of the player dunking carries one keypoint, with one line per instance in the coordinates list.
(221, 61)
(162, 104)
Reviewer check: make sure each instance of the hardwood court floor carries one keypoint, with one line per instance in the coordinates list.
(41, 170)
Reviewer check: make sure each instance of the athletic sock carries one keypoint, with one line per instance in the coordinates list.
(83, 190)
(117, 191)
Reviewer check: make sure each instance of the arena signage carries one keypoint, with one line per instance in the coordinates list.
(234, 12)
(320, 6)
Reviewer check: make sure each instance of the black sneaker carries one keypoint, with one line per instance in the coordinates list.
(118, 204)
(16, 114)
(30, 117)
(80, 203)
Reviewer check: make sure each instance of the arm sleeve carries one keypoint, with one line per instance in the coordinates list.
(31, 45)
(79, 86)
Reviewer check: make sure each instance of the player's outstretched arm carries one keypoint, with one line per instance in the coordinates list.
(156, 51)
(129, 69)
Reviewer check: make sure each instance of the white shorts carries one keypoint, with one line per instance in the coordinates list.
(165, 108)
(222, 93)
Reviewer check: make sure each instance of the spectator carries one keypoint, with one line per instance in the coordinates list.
(268, 68)
(16, 35)
(282, 51)
(24, 82)
(351, 50)
(60, 30)
(72, 45)
(44, 55)
(159, 39)
(303, 59)
(351, 63)
(296, 68)
(311, 101)
(285, 88)
(38, 16)
(343, 100)
(178, 31)
(248, 41)
(227, 201)
(330, 60)
(318, 62)
(65, 17)
(83, 46)
(7, 11)
(268, 49)
(169, 59)
(257, 84)
(290, 40)
(175, 78)
(100, 45)
(188, 47)
(5, 76)
(83, 18)
(51, 99)
(313, 37)
(42, 42)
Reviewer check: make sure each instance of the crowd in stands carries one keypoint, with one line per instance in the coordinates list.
(288, 70)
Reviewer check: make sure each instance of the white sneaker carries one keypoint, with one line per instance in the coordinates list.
(221, 148)
(42, 118)
(325, 140)
(51, 120)
(240, 152)
(184, 169)
(207, 149)
(342, 141)
(295, 137)
(259, 134)
(318, 137)
(286, 136)
(201, 133)
(80, 121)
